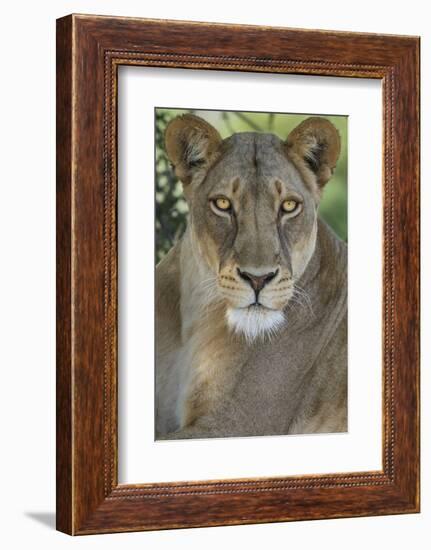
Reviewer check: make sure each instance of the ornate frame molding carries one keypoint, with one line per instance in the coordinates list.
(89, 498)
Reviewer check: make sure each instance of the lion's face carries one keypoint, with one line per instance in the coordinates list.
(253, 211)
(256, 222)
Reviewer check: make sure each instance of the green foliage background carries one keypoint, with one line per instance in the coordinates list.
(171, 208)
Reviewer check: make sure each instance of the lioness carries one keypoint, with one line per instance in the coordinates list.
(251, 303)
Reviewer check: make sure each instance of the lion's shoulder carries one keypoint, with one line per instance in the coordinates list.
(168, 296)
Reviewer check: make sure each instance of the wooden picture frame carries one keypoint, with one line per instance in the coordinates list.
(89, 51)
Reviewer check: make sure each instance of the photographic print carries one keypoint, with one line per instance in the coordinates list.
(251, 273)
(205, 253)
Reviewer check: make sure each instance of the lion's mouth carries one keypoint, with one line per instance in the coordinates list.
(258, 306)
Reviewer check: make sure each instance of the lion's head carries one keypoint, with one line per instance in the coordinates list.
(253, 202)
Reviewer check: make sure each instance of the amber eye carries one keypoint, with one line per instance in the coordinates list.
(289, 206)
(222, 204)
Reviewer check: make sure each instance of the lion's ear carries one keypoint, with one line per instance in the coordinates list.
(190, 145)
(316, 142)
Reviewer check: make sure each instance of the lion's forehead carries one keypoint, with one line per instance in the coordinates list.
(253, 150)
(255, 160)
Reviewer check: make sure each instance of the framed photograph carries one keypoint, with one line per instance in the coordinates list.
(237, 274)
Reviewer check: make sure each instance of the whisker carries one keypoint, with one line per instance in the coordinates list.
(302, 298)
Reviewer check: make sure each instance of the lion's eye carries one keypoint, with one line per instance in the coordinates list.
(222, 204)
(289, 206)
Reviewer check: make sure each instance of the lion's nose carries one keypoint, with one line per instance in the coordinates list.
(257, 282)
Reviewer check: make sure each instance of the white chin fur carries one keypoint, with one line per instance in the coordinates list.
(254, 322)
